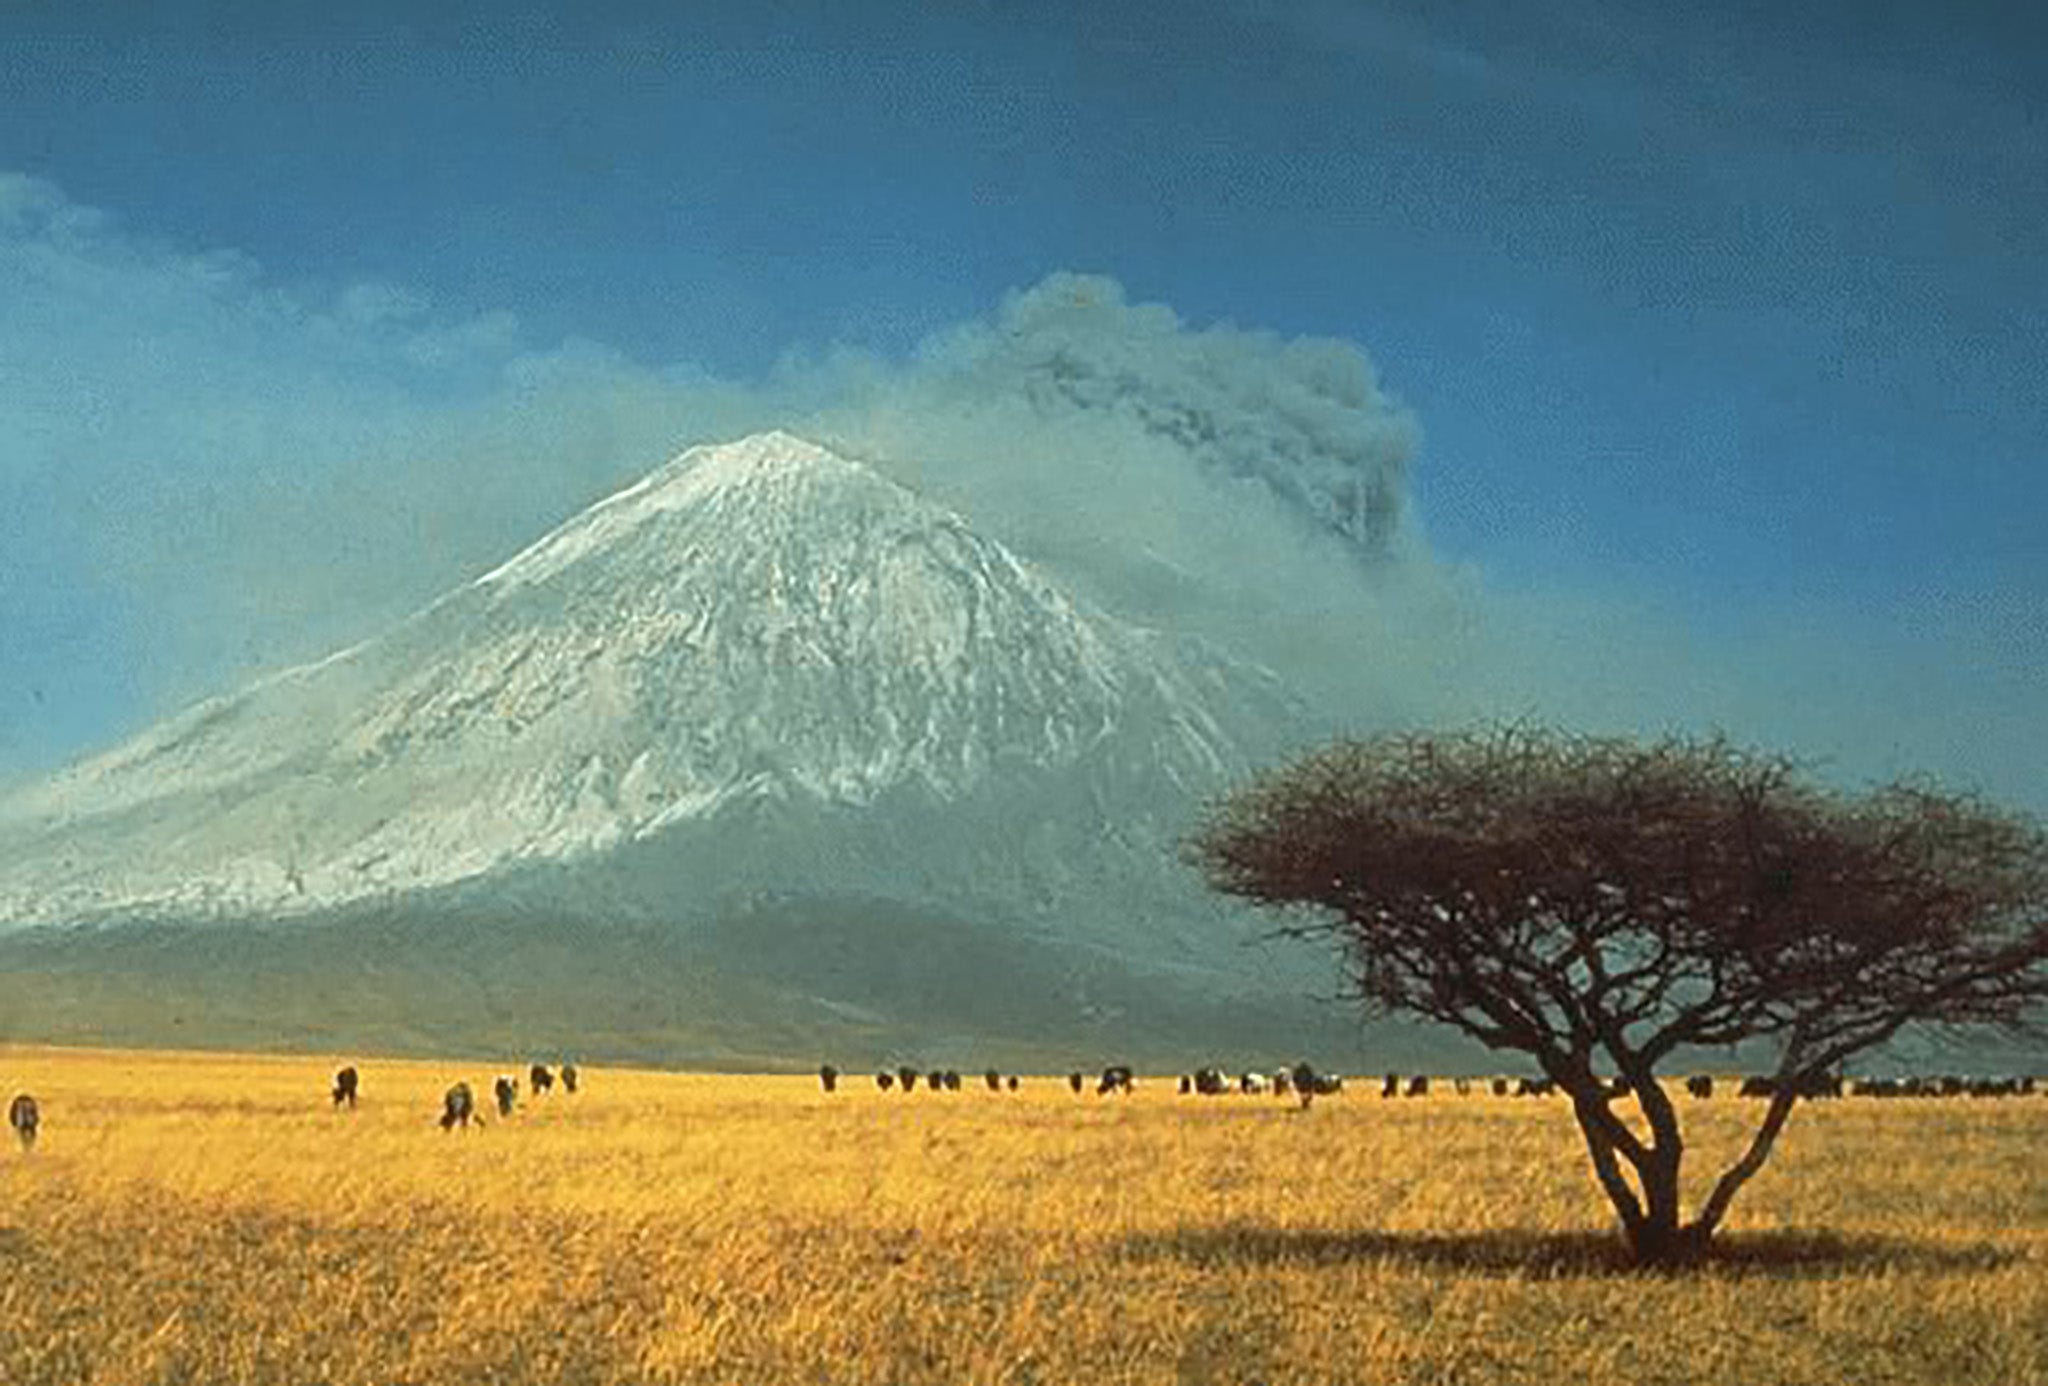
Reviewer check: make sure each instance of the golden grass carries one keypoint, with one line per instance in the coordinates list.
(193, 1218)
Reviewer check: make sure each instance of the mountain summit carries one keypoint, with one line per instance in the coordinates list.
(764, 689)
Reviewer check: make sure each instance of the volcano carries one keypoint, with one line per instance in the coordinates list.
(761, 757)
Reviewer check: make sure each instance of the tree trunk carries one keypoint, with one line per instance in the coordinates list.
(1607, 1141)
(1659, 1240)
(1649, 1209)
(1657, 1235)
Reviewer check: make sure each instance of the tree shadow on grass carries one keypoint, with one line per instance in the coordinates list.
(1526, 1253)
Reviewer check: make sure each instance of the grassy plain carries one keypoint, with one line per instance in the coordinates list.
(195, 1218)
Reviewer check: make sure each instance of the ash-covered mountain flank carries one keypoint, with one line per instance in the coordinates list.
(761, 753)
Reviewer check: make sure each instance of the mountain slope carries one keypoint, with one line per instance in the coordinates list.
(760, 620)
(766, 707)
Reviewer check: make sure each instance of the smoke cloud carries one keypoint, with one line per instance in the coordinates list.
(205, 474)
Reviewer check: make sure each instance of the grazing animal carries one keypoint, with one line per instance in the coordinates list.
(1462, 1086)
(828, 1078)
(1500, 1087)
(1700, 1085)
(1115, 1078)
(1535, 1087)
(994, 1080)
(569, 1077)
(907, 1076)
(1074, 1081)
(885, 1080)
(507, 1092)
(457, 1107)
(1210, 1082)
(1303, 1079)
(1392, 1086)
(539, 1079)
(345, 1087)
(1011, 1082)
(1418, 1086)
(1187, 1085)
(24, 1116)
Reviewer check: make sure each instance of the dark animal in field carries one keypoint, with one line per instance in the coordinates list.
(885, 1080)
(994, 1080)
(1392, 1086)
(1303, 1080)
(828, 1078)
(458, 1105)
(569, 1077)
(1210, 1082)
(1700, 1085)
(1462, 1086)
(936, 1080)
(1418, 1086)
(345, 1085)
(1535, 1087)
(952, 1080)
(539, 1079)
(1251, 1084)
(1329, 1084)
(507, 1092)
(1810, 1086)
(24, 1116)
(1011, 1082)
(1993, 1087)
(1500, 1087)
(1187, 1085)
(907, 1076)
(1074, 1081)
(1115, 1078)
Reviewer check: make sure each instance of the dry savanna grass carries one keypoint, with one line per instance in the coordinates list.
(193, 1218)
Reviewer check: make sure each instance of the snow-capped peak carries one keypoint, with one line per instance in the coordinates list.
(762, 618)
(774, 461)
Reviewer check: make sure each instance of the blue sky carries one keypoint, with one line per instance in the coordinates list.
(1728, 325)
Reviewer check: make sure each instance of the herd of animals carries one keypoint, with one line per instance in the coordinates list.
(1301, 1081)
(458, 1104)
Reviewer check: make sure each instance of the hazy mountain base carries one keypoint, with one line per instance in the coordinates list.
(784, 984)
(1029, 930)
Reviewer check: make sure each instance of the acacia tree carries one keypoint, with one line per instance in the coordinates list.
(1606, 904)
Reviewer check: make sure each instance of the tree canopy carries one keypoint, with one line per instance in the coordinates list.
(1607, 904)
